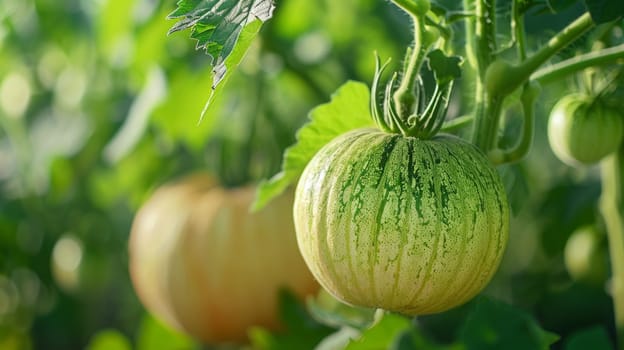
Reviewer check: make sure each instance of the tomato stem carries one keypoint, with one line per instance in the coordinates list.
(612, 208)
(404, 98)
(481, 39)
(575, 64)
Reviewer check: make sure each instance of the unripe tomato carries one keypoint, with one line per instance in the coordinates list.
(585, 258)
(204, 264)
(399, 223)
(582, 130)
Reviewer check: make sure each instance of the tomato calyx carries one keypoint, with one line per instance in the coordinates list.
(423, 119)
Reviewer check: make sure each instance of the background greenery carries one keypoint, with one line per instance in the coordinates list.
(98, 107)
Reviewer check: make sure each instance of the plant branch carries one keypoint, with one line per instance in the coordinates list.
(516, 75)
(575, 64)
(556, 43)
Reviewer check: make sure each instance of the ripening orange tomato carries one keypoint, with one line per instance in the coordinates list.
(200, 261)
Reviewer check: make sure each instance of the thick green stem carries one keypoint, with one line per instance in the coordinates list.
(485, 34)
(491, 120)
(487, 107)
(575, 64)
(612, 207)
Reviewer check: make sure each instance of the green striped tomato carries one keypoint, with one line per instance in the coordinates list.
(398, 223)
(582, 130)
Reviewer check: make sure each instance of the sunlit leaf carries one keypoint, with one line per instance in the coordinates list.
(348, 110)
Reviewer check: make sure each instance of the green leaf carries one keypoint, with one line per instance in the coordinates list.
(595, 338)
(217, 25)
(603, 11)
(109, 340)
(347, 110)
(445, 68)
(495, 325)
(382, 335)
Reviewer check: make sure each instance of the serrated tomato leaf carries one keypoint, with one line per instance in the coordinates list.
(217, 25)
(347, 110)
(603, 11)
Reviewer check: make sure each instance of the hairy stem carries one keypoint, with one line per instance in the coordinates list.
(503, 79)
(404, 98)
(569, 34)
(612, 208)
(575, 64)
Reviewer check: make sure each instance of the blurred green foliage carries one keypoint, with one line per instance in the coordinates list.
(98, 107)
